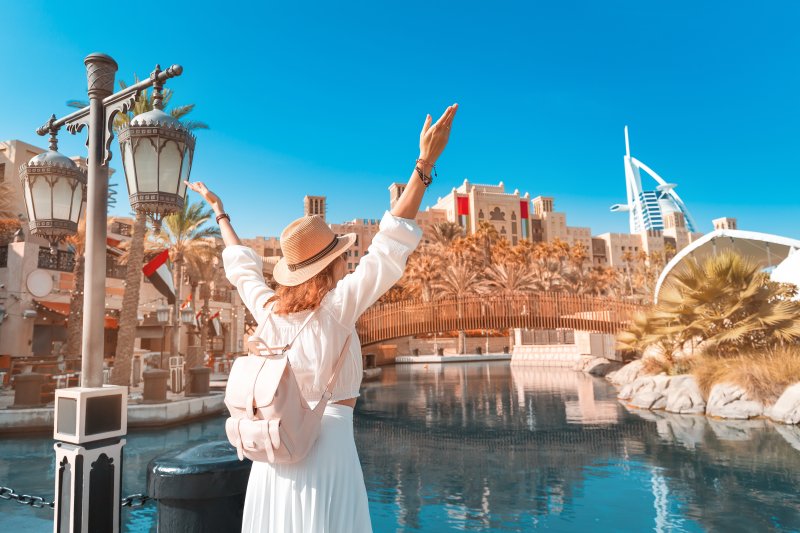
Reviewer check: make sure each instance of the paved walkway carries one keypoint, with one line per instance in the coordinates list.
(176, 410)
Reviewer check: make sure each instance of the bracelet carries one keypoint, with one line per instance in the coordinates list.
(223, 215)
(426, 180)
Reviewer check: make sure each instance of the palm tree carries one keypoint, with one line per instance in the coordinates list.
(444, 233)
(77, 245)
(10, 207)
(129, 313)
(203, 271)
(421, 274)
(188, 239)
(459, 279)
(510, 278)
(721, 307)
(126, 335)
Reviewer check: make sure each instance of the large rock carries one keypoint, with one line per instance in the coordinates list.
(598, 366)
(684, 396)
(648, 392)
(627, 374)
(787, 408)
(731, 401)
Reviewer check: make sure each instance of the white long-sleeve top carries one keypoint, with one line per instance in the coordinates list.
(314, 353)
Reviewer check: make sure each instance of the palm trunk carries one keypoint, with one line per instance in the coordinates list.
(129, 314)
(176, 315)
(191, 350)
(75, 321)
(204, 324)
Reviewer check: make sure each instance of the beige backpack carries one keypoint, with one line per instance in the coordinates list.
(270, 420)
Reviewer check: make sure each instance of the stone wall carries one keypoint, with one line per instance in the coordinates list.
(560, 355)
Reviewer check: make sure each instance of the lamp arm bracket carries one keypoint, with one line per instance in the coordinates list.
(77, 119)
(116, 103)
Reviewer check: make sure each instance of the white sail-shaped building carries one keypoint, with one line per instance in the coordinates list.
(647, 207)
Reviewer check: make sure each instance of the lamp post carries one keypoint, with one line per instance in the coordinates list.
(91, 420)
(162, 315)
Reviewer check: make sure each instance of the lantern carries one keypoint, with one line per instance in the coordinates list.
(157, 155)
(54, 188)
(162, 314)
(187, 315)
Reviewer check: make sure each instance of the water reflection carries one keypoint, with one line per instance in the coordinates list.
(488, 447)
(493, 447)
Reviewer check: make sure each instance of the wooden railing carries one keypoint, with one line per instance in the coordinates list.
(542, 310)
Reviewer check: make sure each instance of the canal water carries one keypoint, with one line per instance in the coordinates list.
(489, 447)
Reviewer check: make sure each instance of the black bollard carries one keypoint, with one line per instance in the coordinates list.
(199, 489)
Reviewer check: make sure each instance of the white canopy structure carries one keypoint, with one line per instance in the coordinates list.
(778, 255)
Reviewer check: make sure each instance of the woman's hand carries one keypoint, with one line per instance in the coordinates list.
(434, 137)
(213, 200)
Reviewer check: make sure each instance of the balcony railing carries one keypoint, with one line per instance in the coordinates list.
(121, 228)
(113, 270)
(221, 295)
(63, 261)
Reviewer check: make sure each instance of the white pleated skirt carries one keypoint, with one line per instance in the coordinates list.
(324, 493)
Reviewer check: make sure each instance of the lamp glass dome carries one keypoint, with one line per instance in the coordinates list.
(157, 155)
(54, 188)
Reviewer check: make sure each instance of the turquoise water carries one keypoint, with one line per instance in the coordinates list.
(488, 447)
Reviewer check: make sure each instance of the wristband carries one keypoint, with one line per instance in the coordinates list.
(223, 215)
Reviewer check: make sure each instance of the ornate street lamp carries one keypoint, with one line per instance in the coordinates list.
(187, 316)
(90, 420)
(157, 154)
(54, 188)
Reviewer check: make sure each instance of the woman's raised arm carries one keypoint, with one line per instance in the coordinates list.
(243, 267)
(229, 236)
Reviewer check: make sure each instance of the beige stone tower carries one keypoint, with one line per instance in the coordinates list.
(314, 205)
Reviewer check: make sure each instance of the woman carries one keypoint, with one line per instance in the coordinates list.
(325, 492)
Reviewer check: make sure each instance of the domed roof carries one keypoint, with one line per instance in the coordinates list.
(156, 116)
(52, 157)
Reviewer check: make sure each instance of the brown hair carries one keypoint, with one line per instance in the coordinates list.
(307, 295)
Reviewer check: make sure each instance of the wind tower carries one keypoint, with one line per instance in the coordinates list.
(647, 209)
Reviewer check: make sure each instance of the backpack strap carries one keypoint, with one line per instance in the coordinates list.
(337, 366)
(259, 341)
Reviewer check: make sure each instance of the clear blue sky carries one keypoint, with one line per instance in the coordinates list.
(328, 97)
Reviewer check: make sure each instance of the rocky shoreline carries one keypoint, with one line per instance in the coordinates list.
(681, 394)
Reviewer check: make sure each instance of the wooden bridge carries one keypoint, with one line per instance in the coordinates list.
(540, 310)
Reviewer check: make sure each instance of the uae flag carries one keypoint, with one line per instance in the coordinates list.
(187, 302)
(198, 319)
(159, 273)
(215, 324)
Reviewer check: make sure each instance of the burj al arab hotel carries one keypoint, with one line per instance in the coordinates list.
(646, 207)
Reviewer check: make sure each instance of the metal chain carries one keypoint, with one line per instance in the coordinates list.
(136, 500)
(37, 502)
(6, 493)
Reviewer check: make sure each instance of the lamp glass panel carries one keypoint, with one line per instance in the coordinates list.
(77, 203)
(42, 204)
(29, 201)
(146, 165)
(170, 167)
(186, 168)
(62, 198)
(162, 315)
(130, 168)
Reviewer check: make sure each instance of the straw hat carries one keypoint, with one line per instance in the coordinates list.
(308, 246)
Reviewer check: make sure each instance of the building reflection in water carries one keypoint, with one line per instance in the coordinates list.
(493, 447)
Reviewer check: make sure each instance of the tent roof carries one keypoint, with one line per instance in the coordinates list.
(765, 249)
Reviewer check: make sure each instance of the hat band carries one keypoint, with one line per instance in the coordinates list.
(316, 257)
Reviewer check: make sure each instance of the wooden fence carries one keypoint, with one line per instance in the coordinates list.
(542, 310)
